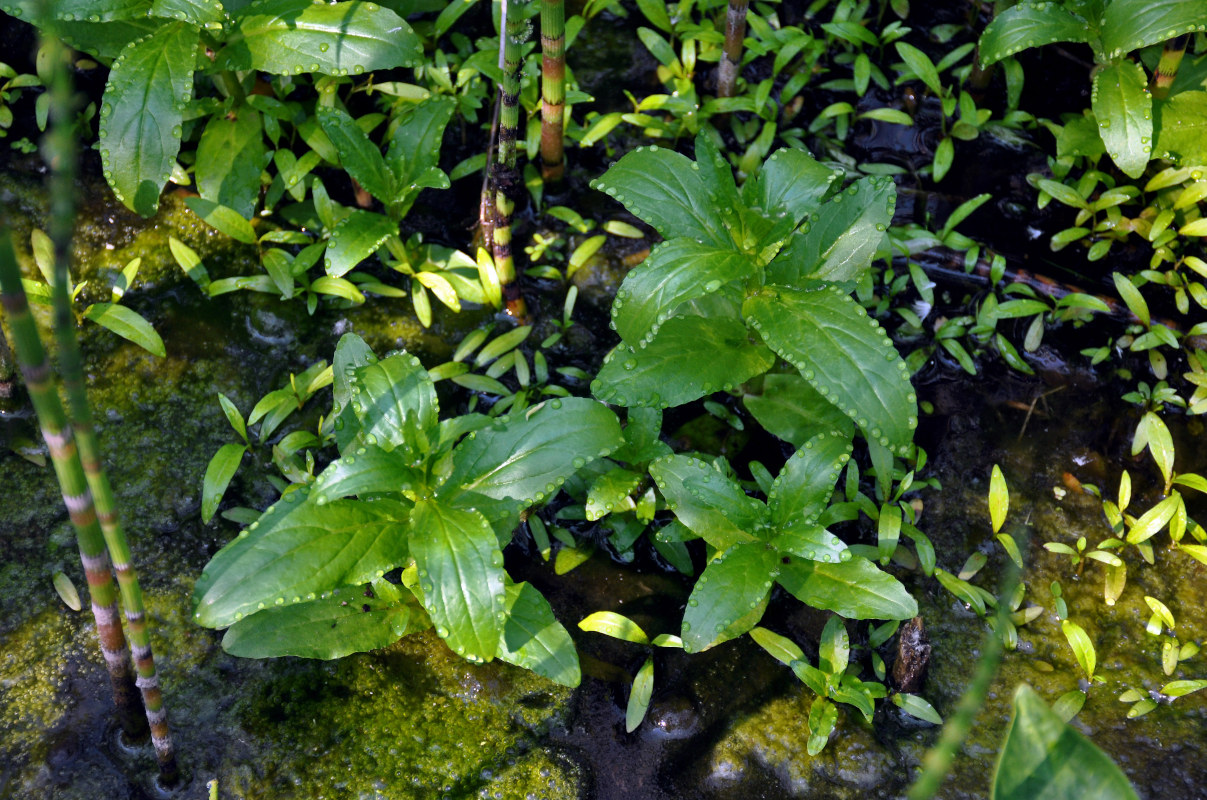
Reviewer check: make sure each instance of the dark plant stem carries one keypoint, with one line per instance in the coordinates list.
(1167, 67)
(553, 89)
(61, 158)
(35, 368)
(486, 204)
(506, 180)
(731, 57)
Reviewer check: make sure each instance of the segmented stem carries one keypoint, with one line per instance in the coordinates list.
(1167, 67)
(35, 368)
(553, 89)
(61, 156)
(515, 31)
(731, 56)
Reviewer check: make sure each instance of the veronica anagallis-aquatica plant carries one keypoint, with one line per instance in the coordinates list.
(73, 446)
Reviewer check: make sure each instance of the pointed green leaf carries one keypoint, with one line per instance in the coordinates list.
(917, 707)
(218, 474)
(1030, 25)
(127, 324)
(844, 354)
(856, 589)
(639, 696)
(1160, 444)
(791, 181)
(1131, 24)
(355, 238)
(615, 625)
(395, 401)
(823, 716)
(794, 411)
(1123, 107)
(230, 157)
(286, 37)
(608, 490)
(1181, 128)
(415, 144)
(1044, 758)
(308, 550)
(373, 471)
(781, 648)
(999, 498)
(198, 12)
(359, 157)
(535, 640)
(673, 273)
(803, 487)
(665, 189)
(921, 65)
(712, 505)
(142, 111)
(810, 541)
(834, 648)
(838, 242)
(342, 622)
(689, 357)
(461, 574)
(223, 219)
(732, 584)
(1153, 520)
(1083, 647)
(641, 442)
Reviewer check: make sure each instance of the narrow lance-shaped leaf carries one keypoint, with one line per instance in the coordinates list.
(218, 474)
(640, 695)
(128, 324)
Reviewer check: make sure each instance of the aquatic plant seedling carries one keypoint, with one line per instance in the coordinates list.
(621, 627)
(438, 499)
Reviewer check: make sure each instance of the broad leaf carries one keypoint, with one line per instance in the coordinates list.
(310, 550)
(342, 622)
(1181, 128)
(359, 157)
(218, 474)
(355, 238)
(673, 273)
(1044, 758)
(1123, 107)
(717, 174)
(395, 401)
(1131, 24)
(844, 354)
(288, 37)
(367, 470)
(104, 39)
(528, 457)
(224, 220)
(535, 640)
(665, 189)
(790, 181)
(794, 411)
(711, 505)
(803, 487)
(127, 324)
(641, 442)
(198, 12)
(838, 242)
(856, 589)
(142, 112)
(1030, 25)
(733, 584)
(609, 490)
(230, 157)
(811, 541)
(415, 145)
(690, 357)
(461, 574)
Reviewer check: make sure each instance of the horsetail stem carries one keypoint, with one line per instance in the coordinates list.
(553, 89)
(731, 57)
(505, 179)
(61, 157)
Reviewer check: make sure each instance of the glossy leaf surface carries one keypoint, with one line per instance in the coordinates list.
(712, 505)
(359, 157)
(355, 238)
(1123, 107)
(1131, 24)
(218, 474)
(395, 401)
(373, 471)
(1030, 25)
(794, 411)
(230, 157)
(803, 487)
(535, 640)
(128, 324)
(790, 181)
(856, 589)
(731, 586)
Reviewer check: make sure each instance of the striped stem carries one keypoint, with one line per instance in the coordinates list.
(506, 179)
(1167, 67)
(553, 89)
(35, 368)
(731, 57)
(61, 156)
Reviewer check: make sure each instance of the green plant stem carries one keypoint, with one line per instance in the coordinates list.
(1167, 67)
(506, 181)
(61, 157)
(35, 368)
(731, 56)
(553, 89)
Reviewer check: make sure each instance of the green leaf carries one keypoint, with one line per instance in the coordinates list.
(301, 550)
(803, 487)
(840, 239)
(287, 37)
(230, 157)
(655, 12)
(1153, 520)
(732, 585)
(359, 157)
(844, 354)
(609, 490)
(461, 574)
(1132, 297)
(921, 65)
(67, 591)
(371, 470)
(615, 625)
(190, 262)
(689, 357)
(1030, 25)
(999, 498)
(535, 640)
(673, 273)
(810, 541)
(1182, 688)
(1083, 648)
(396, 404)
(527, 458)
(823, 716)
(856, 589)
(791, 181)
(142, 112)
(355, 238)
(218, 474)
(1181, 128)
(834, 648)
(639, 695)
(415, 143)
(198, 12)
(917, 707)
(709, 503)
(342, 622)
(791, 409)
(1131, 24)
(665, 189)
(127, 324)
(1160, 444)
(1123, 106)
(222, 219)
(641, 442)
(1043, 758)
